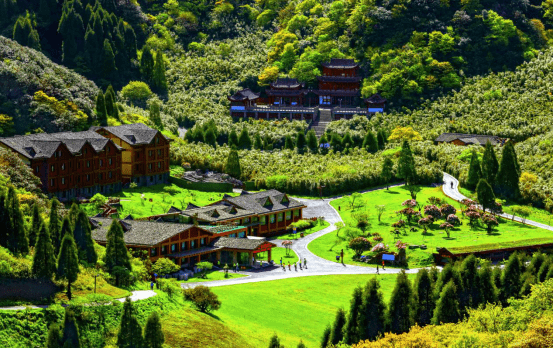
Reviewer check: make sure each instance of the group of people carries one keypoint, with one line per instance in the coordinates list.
(296, 265)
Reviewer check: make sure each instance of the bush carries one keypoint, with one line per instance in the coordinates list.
(136, 91)
(98, 200)
(203, 298)
(170, 286)
(164, 266)
(302, 224)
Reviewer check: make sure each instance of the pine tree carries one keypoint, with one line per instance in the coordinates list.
(275, 342)
(160, 81)
(18, 243)
(511, 281)
(73, 213)
(130, 42)
(485, 194)
(382, 139)
(542, 273)
(351, 327)
(507, 178)
(54, 339)
(115, 112)
(92, 50)
(244, 141)
(387, 171)
(232, 167)
(71, 335)
(155, 115)
(337, 333)
(83, 239)
(66, 227)
(110, 104)
(399, 310)
(475, 173)
(447, 307)
(490, 165)
(406, 164)
(68, 261)
(424, 299)
(101, 111)
(4, 216)
(233, 139)
(153, 336)
(21, 30)
(44, 261)
(258, 143)
(108, 61)
(487, 289)
(370, 143)
(147, 65)
(210, 137)
(36, 222)
(71, 28)
(372, 317)
(301, 345)
(325, 340)
(301, 141)
(347, 142)
(54, 226)
(323, 139)
(130, 332)
(267, 143)
(448, 273)
(288, 143)
(312, 141)
(470, 294)
(117, 256)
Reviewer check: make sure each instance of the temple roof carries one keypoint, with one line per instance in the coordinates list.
(245, 94)
(287, 83)
(376, 99)
(336, 63)
(339, 78)
(285, 92)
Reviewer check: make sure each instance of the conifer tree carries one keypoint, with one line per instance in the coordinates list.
(18, 243)
(325, 340)
(24, 33)
(406, 164)
(54, 226)
(447, 307)
(485, 194)
(511, 280)
(323, 139)
(387, 171)
(68, 260)
(347, 142)
(210, 137)
(232, 167)
(115, 112)
(233, 139)
(399, 310)
(508, 175)
(372, 319)
(66, 227)
(147, 65)
(275, 342)
(71, 336)
(258, 143)
(130, 332)
(54, 338)
(44, 261)
(160, 81)
(490, 165)
(352, 324)
(155, 115)
(470, 294)
(244, 141)
(544, 268)
(83, 239)
(92, 50)
(108, 60)
(73, 213)
(153, 336)
(301, 345)
(424, 299)
(475, 172)
(101, 111)
(117, 256)
(36, 222)
(487, 289)
(370, 142)
(448, 273)
(312, 143)
(130, 42)
(301, 141)
(110, 104)
(337, 333)
(288, 143)
(4, 216)
(71, 28)
(382, 139)
(267, 143)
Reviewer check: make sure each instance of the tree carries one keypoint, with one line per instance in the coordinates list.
(288, 143)
(405, 134)
(36, 222)
(507, 178)
(203, 298)
(325, 339)
(54, 339)
(489, 221)
(54, 226)
(153, 336)
(155, 115)
(116, 258)
(372, 312)
(101, 111)
(386, 172)
(232, 167)
(490, 165)
(337, 333)
(312, 143)
(18, 243)
(475, 172)
(164, 266)
(233, 139)
(470, 293)
(301, 345)
(112, 110)
(511, 280)
(347, 142)
(351, 328)
(68, 261)
(130, 332)
(447, 307)
(147, 65)
(83, 239)
(244, 141)
(110, 104)
(370, 143)
(400, 308)
(423, 298)
(301, 141)
(486, 286)
(382, 139)
(44, 261)
(406, 164)
(275, 342)
(159, 79)
(108, 60)
(359, 245)
(258, 143)
(71, 336)
(204, 266)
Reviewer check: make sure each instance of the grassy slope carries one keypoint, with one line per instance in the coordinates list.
(329, 245)
(294, 309)
(313, 229)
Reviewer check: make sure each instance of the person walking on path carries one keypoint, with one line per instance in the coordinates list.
(342, 255)
(304, 263)
(383, 265)
(299, 262)
(289, 266)
(281, 262)
(152, 285)
(295, 266)
(237, 267)
(377, 270)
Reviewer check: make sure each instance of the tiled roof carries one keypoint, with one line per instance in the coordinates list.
(470, 139)
(286, 83)
(341, 64)
(145, 233)
(375, 99)
(245, 94)
(337, 92)
(339, 78)
(217, 212)
(239, 243)
(43, 145)
(134, 134)
(255, 202)
(285, 92)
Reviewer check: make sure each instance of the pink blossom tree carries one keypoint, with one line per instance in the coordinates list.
(446, 226)
(490, 221)
(425, 222)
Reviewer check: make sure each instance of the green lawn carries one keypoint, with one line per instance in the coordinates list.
(162, 196)
(330, 245)
(294, 309)
(276, 254)
(321, 226)
(214, 275)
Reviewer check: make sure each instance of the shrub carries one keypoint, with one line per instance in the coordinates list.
(98, 200)
(359, 245)
(170, 286)
(203, 298)
(302, 224)
(136, 91)
(164, 266)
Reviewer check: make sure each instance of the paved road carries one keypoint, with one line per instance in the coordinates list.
(453, 192)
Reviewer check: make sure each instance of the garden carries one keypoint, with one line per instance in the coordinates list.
(306, 227)
(384, 225)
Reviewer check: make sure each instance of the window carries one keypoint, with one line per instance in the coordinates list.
(272, 218)
(242, 235)
(63, 166)
(296, 213)
(85, 151)
(232, 235)
(183, 246)
(53, 168)
(157, 140)
(159, 152)
(78, 179)
(150, 166)
(59, 153)
(246, 220)
(37, 169)
(263, 220)
(101, 176)
(202, 242)
(110, 161)
(110, 175)
(192, 244)
(159, 165)
(63, 181)
(288, 215)
(88, 164)
(87, 177)
(163, 249)
(174, 248)
(52, 182)
(101, 163)
(109, 148)
(153, 251)
(150, 153)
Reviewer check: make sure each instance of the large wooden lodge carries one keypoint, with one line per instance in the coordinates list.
(338, 90)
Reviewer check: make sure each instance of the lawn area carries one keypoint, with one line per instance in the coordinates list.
(329, 245)
(214, 275)
(321, 226)
(276, 254)
(84, 285)
(162, 196)
(294, 309)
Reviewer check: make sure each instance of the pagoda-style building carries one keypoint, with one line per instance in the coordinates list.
(375, 103)
(241, 101)
(286, 92)
(340, 83)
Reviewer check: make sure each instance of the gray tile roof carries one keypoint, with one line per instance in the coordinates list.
(286, 83)
(245, 94)
(134, 134)
(470, 139)
(43, 145)
(145, 233)
(340, 63)
(376, 99)
(217, 212)
(239, 243)
(192, 252)
(255, 202)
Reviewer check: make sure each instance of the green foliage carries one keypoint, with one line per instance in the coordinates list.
(101, 110)
(507, 178)
(44, 261)
(155, 115)
(54, 226)
(24, 32)
(202, 298)
(352, 324)
(475, 171)
(337, 332)
(233, 167)
(164, 266)
(485, 194)
(130, 331)
(490, 165)
(153, 336)
(16, 237)
(447, 307)
(424, 300)
(83, 238)
(116, 259)
(68, 261)
(159, 79)
(98, 200)
(71, 335)
(400, 315)
(136, 91)
(406, 164)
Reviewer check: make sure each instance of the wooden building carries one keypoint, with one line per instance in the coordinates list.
(186, 244)
(145, 158)
(340, 83)
(241, 101)
(286, 92)
(71, 164)
(375, 103)
(469, 139)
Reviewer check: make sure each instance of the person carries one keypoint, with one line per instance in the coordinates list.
(237, 267)
(383, 264)
(305, 263)
(152, 285)
(452, 184)
(339, 208)
(342, 255)
(295, 266)
(299, 262)
(289, 266)
(281, 262)
(377, 270)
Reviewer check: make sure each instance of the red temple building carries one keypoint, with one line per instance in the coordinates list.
(340, 83)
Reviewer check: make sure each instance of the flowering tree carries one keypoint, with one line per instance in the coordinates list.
(447, 209)
(379, 247)
(401, 245)
(377, 238)
(409, 214)
(425, 221)
(359, 245)
(489, 221)
(411, 203)
(399, 224)
(446, 226)
(434, 211)
(453, 219)
(288, 245)
(496, 208)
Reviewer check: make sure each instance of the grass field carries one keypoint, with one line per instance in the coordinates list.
(214, 275)
(330, 245)
(322, 225)
(162, 198)
(277, 253)
(294, 309)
